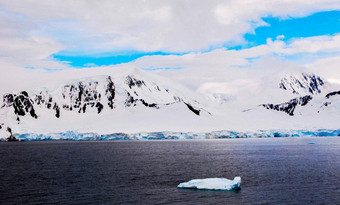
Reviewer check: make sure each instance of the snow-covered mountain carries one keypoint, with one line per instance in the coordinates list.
(94, 95)
(302, 83)
(312, 94)
(133, 96)
(309, 104)
(135, 101)
(289, 107)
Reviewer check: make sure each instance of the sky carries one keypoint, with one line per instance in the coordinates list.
(200, 44)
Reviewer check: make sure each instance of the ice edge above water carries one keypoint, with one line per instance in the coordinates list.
(72, 135)
(212, 184)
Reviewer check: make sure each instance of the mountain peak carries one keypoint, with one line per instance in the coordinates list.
(98, 95)
(303, 83)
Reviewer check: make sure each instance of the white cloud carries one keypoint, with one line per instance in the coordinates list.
(21, 45)
(222, 58)
(241, 71)
(315, 44)
(327, 67)
(31, 31)
(173, 26)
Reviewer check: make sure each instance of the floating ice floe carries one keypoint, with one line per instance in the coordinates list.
(212, 183)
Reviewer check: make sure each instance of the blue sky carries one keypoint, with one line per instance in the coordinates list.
(317, 24)
(322, 23)
(105, 59)
(50, 35)
(207, 42)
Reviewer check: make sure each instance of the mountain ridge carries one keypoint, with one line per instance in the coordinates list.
(133, 101)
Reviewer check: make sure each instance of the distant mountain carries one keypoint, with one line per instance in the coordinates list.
(134, 101)
(309, 87)
(221, 98)
(99, 98)
(289, 107)
(311, 96)
(302, 83)
(95, 95)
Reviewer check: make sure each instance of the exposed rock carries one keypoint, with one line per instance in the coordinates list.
(110, 92)
(11, 137)
(130, 81)
(326, 104)
(304, 83)
(46, 100)
(154, 105)
(196, 111)
(57, 110)
(80, 96)
(99, 106)
(85, 96)
(289, 107)
(8, 100)
(332, 94)
(130, 101)
(21, 103)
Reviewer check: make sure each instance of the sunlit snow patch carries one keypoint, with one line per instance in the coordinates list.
(212, 183)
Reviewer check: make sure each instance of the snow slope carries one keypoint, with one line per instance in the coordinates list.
(132, 101)
(313, 95)
(129, 100)
(302, 83)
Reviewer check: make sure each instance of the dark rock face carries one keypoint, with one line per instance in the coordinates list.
(290, 106)
(57, 110)
(130, 101)
(196, 111)
(86, 96)
(99, 106)
(135, 85)
(45, 99)
(326, 104)
(8, 132)
(131, 82)
(80, 96)
(154, 105)
(8, 100)
(332, 94)
(11, 138)
(307, 82)
(21, 103)
(110, 92)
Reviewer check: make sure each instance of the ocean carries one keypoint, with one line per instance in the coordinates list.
(296, 170)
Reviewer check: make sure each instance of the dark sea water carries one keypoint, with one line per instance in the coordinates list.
(273, 171)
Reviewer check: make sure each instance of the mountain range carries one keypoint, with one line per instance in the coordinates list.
(136, 101)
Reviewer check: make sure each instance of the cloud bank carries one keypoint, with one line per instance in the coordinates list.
(170, 26)
(200, 33)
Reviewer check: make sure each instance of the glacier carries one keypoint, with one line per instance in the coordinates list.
(212, 184)
(73, 135)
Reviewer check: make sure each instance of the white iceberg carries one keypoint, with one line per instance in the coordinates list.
(212, 183)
